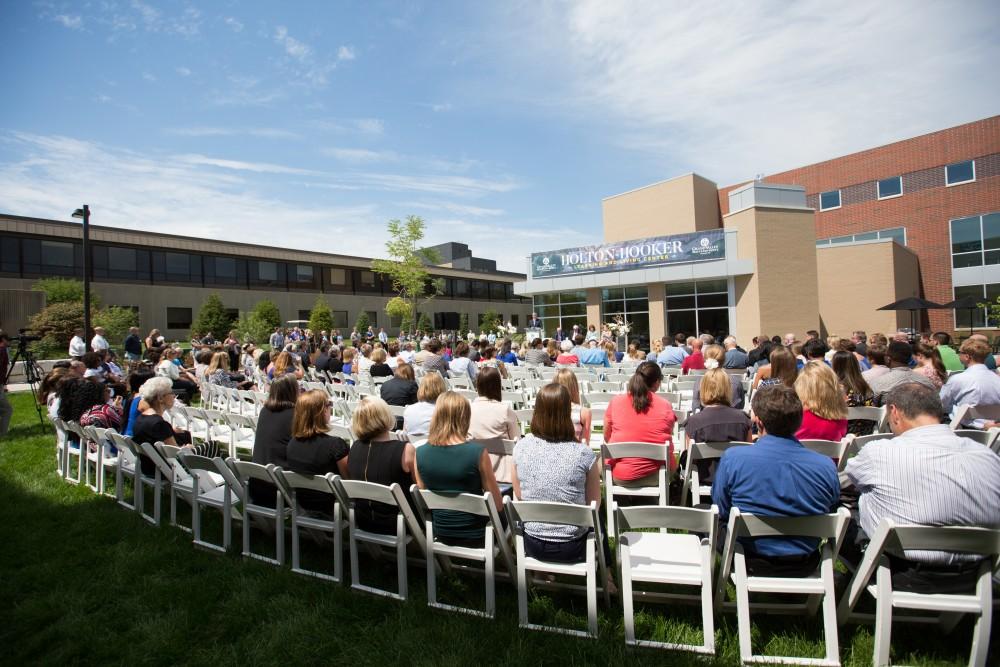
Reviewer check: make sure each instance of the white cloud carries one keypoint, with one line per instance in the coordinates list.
(370, 125)
(240, 165)
(234, 23)
(183, 71)
(457, 209)
(261, 132)
(149, 76)
(359, 155)
(345, 53)
(74, 22)
(769, 86)
(293, 47)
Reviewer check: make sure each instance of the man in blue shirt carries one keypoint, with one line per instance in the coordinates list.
(672, 355)
(593, 355)
(777, 476)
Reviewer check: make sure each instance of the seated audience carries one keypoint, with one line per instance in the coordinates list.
(218, 373)
(929, 364)
(180, 379)
(694, 361)
(777, 476)
(417, 416)
(150, 426)
(949, 358)
(135, 403)
(48, 390)
(857, 391)
(735, 357)
(506, 353)
(274, 430)
(536, 354)
(452, 463)
(433, 361)
(715, 357)
(489, 360)
(977, 385)
(780, 369)
(566, 357)
(378, 457)
(898, 357)
(876, 355)
(492, 418)
(101, 412)
(928, 476)
(718, 421)
(312, 451)
(639, 415)
(379, 368)
(284, 364)
(580, 415)
(824, 408)
(672, 355)
(460, 363)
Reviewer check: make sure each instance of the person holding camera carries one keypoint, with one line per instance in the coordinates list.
(6, 410)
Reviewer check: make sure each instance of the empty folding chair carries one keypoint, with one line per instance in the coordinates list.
(407, 530)
(128, 466)
(291, 484)
(895, 538)
(342, 432)
(642, 450)
(684, 559)
(593, 569)
(705, 453)
(205, 491)
(515, 398)
(817, 586)
(495, 543)
(76, 446)
(598, 399)
(242, 433)
(244, 472)
(161, 479)
(104, 458)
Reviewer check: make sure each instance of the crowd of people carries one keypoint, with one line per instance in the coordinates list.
(798, 391)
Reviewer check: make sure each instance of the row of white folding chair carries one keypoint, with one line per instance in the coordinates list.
(968, 413)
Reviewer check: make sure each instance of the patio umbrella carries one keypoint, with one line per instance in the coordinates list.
(969, 303)
(912, 304)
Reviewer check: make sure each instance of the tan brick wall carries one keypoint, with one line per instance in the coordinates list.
(684, 204)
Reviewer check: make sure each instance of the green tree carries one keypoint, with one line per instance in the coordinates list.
(267, 313)
(362, 323)
(399, 309)
(424, 324)
(321, 317)
(64, 290)
(254, 328)
(463, 325)
(57, 321)
(407, 266)
(116, 322)
(490, 321)
(212, 317)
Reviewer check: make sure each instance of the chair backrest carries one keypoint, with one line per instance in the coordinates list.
(859, 442)
(876, 415)
(643, 450)
(599, 398)
(704, 521)
(498, 446)
(350, 490)
(154, 454)
(965, 413)
(124, 442)
(820, 526)
(701, 451)
(835, 449)
(245, 471)
(521, 511)
(985, 438)
(342, 432)
(289, 482)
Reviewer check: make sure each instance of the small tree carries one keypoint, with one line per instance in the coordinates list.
(267, 313)
(321, 317)
(490, 321)
(407, 267)
(64, 290)
(463, 325)
(58, 321)
(424, 324)
(252, 327)
(212, 317)
(362, 323)
(399, 309)
(116, 322)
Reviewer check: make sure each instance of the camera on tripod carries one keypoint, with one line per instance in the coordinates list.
(24, 337)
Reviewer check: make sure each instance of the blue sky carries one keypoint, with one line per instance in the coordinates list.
(503, 124)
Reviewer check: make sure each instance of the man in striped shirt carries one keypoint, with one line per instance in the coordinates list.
(928, 476)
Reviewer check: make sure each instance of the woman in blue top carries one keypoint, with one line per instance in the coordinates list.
(506, 355)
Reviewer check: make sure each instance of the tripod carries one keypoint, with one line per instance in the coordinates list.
(32, 372)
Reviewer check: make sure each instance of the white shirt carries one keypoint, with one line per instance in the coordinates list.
(77, 347)
(98, 343)
(417, 419)
(168, 369)
(461, 365)
(407, 355)
(364, 364)
(927, 476)
(976, 385)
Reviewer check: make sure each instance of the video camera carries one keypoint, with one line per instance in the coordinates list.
(24, 337)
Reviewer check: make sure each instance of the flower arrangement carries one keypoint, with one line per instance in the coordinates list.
(619, 326)
(506, 330)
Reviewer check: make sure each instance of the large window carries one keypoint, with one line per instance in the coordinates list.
(890, 187)
(561, 309)
(225, 271)
(302, 276)
(51, 258)
(630, 303)
(829, 200)
(340, 319)
(178, 318)
(699, 307)
(117, 263)
(960, 172)
(268, 274)
(975, 241)
(10, 250)
(897, 233)
(176, 267)
(966, 318)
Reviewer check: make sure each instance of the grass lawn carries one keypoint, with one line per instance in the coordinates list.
(85, 581)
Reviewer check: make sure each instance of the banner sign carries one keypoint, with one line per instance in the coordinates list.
(635, 254)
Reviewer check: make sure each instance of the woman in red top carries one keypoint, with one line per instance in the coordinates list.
(824, 405)
(567, 359)
(640, 415)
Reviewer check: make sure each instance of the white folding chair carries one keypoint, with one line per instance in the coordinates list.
(985, 438)
(894, 538)
(103, 460)
(859, 442)
(244, 471)
(407, 530)
(818, 587)
(835, 449)
(972, 413)
(516, 398)
(206, 491)
(684, 559)
(342, 432)
(598, 399)
(871, 414)
(593, 569)
(291, 483)
(128, 466)
(702, 451)
(62, 447)
(242, 433)
(643, 450)
(76, 445)
(495, 543)
(162, 477)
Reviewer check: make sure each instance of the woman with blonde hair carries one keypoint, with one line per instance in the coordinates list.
(378, 457)
(715, 357)
(580, 415)
(655, 350)
(379, 367)
(824, 406)
(312, 451)
(552, 349)
(417, 416)
(218, 373)
(718, 421)
(284, 365)
(451, 463)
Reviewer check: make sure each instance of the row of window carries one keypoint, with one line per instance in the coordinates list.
(888, 188)
(181, 318)
(30, 257)
(975, 241)
(897, 233)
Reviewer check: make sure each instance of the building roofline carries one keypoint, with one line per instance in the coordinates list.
(666, 180)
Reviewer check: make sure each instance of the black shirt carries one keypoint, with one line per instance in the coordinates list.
(382, 463)
(380, 370)
(397, 391)
(133, 345)
(315, 456)
(322, 361)
(274, 430)
(150, 428)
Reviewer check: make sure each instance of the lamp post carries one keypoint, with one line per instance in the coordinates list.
(85, 214)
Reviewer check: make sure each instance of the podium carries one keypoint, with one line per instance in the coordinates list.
(531, 333)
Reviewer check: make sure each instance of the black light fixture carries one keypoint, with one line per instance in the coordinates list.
(84, 213)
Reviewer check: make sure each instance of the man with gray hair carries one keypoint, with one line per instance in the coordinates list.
(860, 340)
(926, 475)
(788, 340)
(735, 357)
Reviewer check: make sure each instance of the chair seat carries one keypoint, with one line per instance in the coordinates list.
(576, 569)
(967, 604)
(468, 553)
(651, 491)
(665, 558)
(214, 498)
(377, 538)
(783, 585)
(315, 523)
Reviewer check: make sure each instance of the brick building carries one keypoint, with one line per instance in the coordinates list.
(913, 178)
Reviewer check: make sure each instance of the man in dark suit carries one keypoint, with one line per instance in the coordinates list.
(534, 322)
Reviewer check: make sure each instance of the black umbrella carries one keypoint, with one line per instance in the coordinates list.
(912, 304)
(969, 303)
